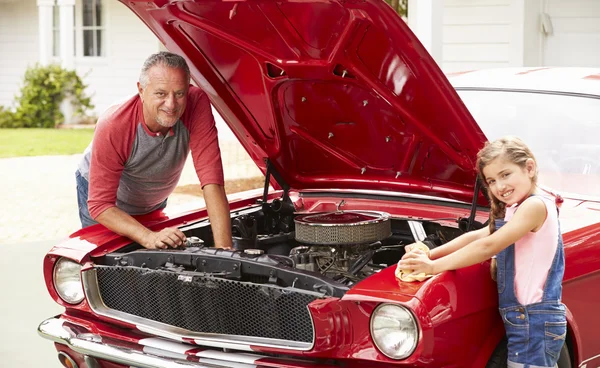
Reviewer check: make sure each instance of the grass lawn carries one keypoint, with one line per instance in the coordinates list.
(42, 142)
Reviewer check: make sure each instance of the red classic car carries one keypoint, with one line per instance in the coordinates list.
(366, 147)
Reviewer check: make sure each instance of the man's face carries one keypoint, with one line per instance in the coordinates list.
(165, 96)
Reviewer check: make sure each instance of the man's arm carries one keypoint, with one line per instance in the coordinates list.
(113, 139)
(122, 223)
(218, 214)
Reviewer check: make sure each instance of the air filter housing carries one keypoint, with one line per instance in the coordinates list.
(343, 227)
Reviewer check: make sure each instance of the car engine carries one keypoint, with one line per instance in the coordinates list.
(281, 262)
(273, 244)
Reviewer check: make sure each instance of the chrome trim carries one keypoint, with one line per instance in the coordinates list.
(91, 362)
(92, 293)
(526, 90)
(382, 193)
(379, 217)
(584, 363)
(417, 230)
(328, 229)
(93, 346)
(413, 320)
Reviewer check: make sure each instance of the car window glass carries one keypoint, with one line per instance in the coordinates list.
(562, 130)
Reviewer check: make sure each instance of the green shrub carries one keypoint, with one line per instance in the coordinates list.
(7, 118)
(400, 6)
(44, 88)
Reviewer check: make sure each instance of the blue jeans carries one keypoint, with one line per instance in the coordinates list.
(536, 332)
(82, 198)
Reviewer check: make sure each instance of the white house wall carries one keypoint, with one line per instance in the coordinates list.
(575, 40)
(129, 43)
(18, 45)
(476, 34)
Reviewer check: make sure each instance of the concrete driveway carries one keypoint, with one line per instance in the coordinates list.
(38, 200)
(24, 304)
(38, 208)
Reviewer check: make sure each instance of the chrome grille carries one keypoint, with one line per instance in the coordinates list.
(207, 305)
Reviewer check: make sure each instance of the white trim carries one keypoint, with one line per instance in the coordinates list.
(584, 363)
(45, 31)
(67, 43)
(527, 38)
(83, 61)
(79, 28)
(167, 345)
(425, 18)
(517, 33)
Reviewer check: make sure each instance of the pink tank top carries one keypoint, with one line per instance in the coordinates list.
(534, 254)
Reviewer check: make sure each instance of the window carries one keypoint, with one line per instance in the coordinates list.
(88, 22)
(561, 129)
(92, 27)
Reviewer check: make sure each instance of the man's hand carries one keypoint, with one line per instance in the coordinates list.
(168, 237)
(123, 224)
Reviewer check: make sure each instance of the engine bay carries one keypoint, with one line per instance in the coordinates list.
(325, 253)
(318, 252)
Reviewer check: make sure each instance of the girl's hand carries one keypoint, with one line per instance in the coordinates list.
(418, 261)
(416, 246)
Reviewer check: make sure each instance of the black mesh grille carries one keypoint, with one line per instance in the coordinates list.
(207, 305)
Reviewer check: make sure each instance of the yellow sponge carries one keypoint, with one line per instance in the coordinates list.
(405, 275)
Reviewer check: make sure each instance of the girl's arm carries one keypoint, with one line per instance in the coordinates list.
(458, 243)
(531, 215)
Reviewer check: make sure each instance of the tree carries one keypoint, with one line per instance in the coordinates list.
(400, 6)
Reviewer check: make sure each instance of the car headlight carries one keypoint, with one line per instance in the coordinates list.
(67, 280)
(394, 331)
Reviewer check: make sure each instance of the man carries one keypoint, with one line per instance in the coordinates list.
(138, 152)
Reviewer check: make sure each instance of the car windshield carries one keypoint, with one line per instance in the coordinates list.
(562, 130)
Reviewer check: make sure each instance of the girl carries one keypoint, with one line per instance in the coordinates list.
(528, 249)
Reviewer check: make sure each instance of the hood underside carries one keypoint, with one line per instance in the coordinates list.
(335, 94)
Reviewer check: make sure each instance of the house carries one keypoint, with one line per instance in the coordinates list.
(107, 44)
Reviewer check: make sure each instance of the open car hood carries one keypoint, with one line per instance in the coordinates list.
(335, 94)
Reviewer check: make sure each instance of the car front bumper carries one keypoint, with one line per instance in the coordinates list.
(132, 351)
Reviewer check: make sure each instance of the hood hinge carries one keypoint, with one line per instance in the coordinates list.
(474, 204)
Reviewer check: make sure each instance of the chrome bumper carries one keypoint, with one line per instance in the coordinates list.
(155, 353)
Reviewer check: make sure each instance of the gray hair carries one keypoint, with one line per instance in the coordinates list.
(164, 58)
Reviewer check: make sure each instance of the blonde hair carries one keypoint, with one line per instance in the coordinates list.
(511, 149)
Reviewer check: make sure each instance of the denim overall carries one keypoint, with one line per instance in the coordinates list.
(535, 332)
